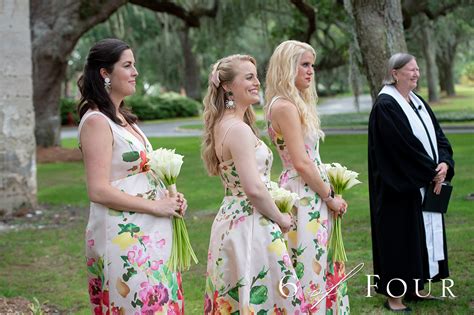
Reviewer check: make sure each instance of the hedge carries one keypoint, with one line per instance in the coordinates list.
(168, 105)
(69, 114)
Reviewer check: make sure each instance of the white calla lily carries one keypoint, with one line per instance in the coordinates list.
(284, 199)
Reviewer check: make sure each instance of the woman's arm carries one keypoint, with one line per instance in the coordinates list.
(286, 121)
(96, 143)
(241, 144)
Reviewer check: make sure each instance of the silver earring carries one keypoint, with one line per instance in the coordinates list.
(107, 83)
(229, 104)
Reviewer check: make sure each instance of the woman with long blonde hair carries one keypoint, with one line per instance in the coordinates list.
(294, 128)
(247, 259)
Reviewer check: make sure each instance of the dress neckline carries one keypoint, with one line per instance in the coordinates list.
(143, 141)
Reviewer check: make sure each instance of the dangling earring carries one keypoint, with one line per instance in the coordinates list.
(229, 104)
(107, 83)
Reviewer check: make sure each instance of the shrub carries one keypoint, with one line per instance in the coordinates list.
(468, 75)
(69, 114)
(168, 105)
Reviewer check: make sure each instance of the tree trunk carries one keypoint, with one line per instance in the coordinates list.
(17, 142)
(442, 80)
(379, 28)
(354, 59)
(446, 76)
(429, 47)
(56, 26)
(445, 60)
(354, 76)
(191, 66)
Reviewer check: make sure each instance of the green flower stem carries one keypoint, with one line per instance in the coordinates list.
(181, 250)
(337, 252)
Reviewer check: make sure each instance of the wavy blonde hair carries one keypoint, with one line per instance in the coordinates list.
(222, 72)
(280, 81)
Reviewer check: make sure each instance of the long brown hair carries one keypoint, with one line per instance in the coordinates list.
(223, 71)
(104, 54)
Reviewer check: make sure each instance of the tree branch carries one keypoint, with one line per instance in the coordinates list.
(190, 17)
(411, 8)
(308, 11)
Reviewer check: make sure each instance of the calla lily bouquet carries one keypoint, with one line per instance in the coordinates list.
(166, 164)
(341, 180)
(284, 199)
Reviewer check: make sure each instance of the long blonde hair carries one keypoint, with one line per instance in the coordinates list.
(280, 81)
(223, 71)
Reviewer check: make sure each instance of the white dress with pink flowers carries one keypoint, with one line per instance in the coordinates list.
(308, 238)
(248, 259)
(126, 251)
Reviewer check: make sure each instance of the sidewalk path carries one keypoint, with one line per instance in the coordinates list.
(344, 105)
(340, 105)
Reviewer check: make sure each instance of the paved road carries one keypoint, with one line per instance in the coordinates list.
(165, 129)
(344, 105)
(340, 105)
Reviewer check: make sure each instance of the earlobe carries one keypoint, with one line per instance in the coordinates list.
(103, 73)
(393, 74)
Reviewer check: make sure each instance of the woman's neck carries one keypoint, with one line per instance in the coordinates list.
(404, 92)
(238, 112)
(116, 101)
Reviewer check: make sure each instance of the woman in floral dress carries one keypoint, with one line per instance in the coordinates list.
(248, 269)
(294, 128)
(129, 233)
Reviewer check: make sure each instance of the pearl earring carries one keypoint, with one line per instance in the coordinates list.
(229, 103)
(107, 83)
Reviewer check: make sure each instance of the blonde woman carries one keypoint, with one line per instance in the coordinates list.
(294, 128)
(247, 259)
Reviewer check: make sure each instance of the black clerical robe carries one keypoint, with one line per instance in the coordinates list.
(398, 167)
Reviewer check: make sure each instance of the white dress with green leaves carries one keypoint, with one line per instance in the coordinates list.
(309, 237)
(247, 255)
(127, 251)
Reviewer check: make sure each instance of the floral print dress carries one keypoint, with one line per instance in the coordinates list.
(127, 251)
(309, 236)
(247, 255)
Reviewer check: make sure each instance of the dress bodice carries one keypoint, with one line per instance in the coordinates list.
(128, 152)
(311, 145)
(230, 177)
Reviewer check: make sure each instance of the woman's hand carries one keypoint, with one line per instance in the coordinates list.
(437, 187)
(442, 170)
(337, 205)
(183, 204)
(285, 222)
(171, 206)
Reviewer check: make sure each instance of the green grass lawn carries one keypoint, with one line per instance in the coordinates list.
(48, 263)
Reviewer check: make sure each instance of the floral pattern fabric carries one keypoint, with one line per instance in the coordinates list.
(247, 259)
(309, 236)
(127, 251)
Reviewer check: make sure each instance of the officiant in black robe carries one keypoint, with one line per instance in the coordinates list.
(407, 151)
